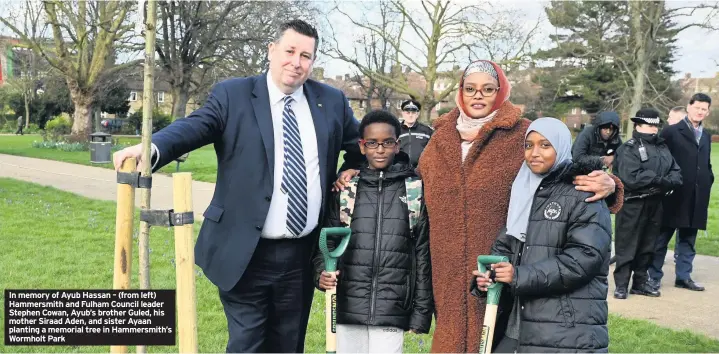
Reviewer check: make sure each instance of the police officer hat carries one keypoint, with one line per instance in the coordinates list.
(647, 116)
(411, 106)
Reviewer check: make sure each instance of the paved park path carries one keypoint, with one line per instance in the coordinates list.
(676, 308)
(97, 182)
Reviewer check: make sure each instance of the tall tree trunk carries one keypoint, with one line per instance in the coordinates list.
(180, 97)
(640, 43)
(428, 102)
(27, 110)
(425, 114)
(82, 118)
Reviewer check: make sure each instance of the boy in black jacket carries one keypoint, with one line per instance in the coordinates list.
(383, 281)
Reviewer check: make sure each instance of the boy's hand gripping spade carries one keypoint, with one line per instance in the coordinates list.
(331, 294)
(490, 314)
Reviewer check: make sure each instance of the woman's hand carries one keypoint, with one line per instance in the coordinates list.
(344, 180)
(483, 281)
(597, 182)
(504, 272)
(328, 280)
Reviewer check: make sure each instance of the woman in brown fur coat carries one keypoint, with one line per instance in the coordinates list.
(468, 168)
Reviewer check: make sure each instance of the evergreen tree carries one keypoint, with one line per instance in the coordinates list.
(602, 54)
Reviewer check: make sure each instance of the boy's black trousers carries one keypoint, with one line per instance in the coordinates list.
(637, 225)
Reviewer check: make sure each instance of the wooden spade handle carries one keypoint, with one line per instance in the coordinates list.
(490, 317)
(331, 320)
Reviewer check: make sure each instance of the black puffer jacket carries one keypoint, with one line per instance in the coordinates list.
(385, 273)
(590, 142)
(657, 175)
(560, 279)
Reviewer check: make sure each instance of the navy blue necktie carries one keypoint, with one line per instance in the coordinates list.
(294, 175)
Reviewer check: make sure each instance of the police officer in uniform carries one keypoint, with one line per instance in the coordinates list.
(415, 135)
(648, 171)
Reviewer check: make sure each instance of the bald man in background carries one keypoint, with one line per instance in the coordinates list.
(676, 115)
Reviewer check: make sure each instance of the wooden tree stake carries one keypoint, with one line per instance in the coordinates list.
(185, 265)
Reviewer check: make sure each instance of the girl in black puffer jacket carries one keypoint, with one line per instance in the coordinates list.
(384, 286)
(558, 246)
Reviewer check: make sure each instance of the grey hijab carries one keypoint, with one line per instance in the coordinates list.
(526, 183)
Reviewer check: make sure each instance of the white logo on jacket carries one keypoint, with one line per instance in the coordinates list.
(552, 211)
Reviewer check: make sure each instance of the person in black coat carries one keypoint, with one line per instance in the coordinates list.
(646, 167)
(384, 286)
(415, 135)
(601, 139)
(686, 209)
(558, 246)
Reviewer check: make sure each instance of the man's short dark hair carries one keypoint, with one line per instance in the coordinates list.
(700, 97)
(300, 27)
(380, 116)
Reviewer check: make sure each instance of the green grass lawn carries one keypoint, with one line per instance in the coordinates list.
(57, 240)
(202, 162)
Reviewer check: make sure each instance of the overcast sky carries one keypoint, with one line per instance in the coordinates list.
(698, 49)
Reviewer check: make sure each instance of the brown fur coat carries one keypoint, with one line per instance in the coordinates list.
(467, 205)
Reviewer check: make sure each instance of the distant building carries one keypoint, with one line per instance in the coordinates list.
(8, 59)
(162, 92)
(357, 95)
(691, 85)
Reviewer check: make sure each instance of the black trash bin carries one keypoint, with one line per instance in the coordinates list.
(100, 147)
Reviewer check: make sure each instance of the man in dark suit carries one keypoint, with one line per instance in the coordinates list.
(278, 137)
(686, 209)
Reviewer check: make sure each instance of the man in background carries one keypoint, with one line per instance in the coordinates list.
(600, 139)
(415, 135)
(676, 115)
(687, 208)
(20, 125)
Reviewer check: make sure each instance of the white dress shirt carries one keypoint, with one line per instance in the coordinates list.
(276, 223)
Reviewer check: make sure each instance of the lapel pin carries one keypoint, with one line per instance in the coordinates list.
(319, 105)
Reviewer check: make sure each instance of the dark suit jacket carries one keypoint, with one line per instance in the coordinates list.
(687, 207)
(237, 119)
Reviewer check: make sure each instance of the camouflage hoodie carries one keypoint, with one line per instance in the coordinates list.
(385, 275)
